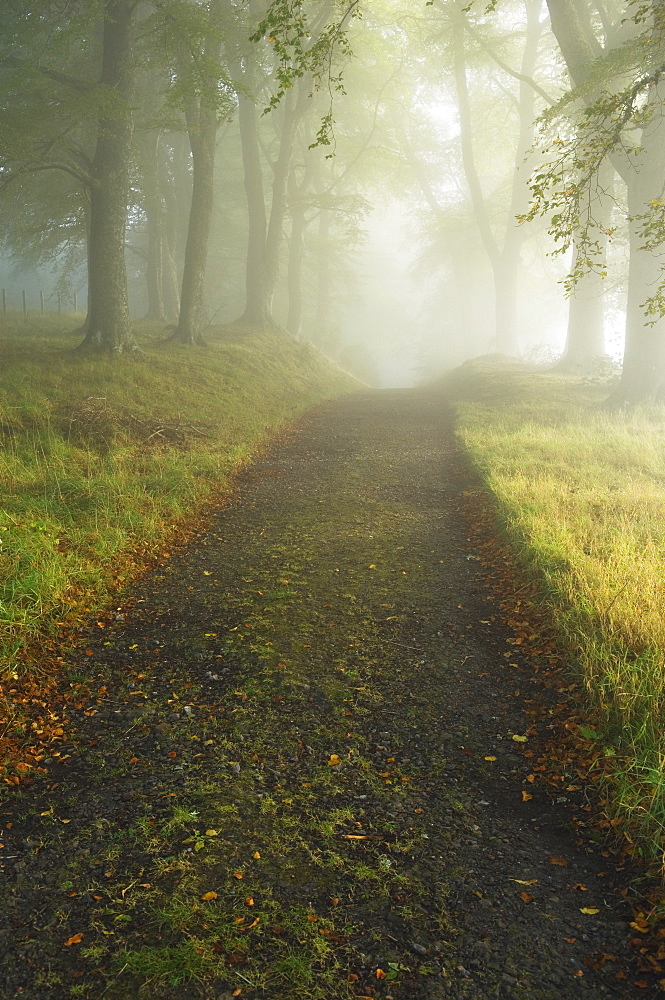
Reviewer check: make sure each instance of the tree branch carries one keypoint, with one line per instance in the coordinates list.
(508, 69)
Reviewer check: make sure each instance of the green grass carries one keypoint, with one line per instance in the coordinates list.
(104, 461)
(582, 494)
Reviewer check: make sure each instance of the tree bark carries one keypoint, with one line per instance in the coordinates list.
(298, 211)
(169, 196)
(108, 318)
(643, 374)
(202, 123)
(154, 212)
(257, 305)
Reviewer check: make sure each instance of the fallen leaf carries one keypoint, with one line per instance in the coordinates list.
(334, 760)
(558, 860)
(519, 739)
(238, 875)
(212, 833)
(74, 939)
(256, 855)
(526, 797)
(250, 900)
(589, 909)
(521, 881)
(253, 924)
(380, 974)
(490, 758)
(236, 993)
(526, 897)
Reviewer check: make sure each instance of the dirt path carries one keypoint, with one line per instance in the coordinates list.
(290, 770)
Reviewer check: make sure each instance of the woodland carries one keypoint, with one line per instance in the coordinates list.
(223, 162)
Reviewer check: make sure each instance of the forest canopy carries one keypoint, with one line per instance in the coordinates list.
(384, 179)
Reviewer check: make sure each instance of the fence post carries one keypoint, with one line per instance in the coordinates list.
(25, 306)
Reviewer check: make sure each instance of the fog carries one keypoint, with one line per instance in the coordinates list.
(386, 203)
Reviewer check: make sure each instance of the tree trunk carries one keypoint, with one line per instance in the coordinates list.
(202, 128)
(296, 260)
(322, 331)
(257, 307)
(154, 211)
(291, 112)
(169, 196)
(108, 319)
(643, 373)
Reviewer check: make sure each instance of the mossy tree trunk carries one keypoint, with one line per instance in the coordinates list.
(202, 123)
(108, 326)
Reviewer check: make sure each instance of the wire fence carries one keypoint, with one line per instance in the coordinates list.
(37, 303)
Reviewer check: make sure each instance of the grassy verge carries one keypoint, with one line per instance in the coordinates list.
(102, 460)
(582, 494)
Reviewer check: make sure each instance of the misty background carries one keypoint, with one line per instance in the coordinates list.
(382, 188)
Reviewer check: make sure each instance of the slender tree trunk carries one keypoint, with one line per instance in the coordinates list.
(257, 307)
(154, 210)
(298, 210)
(169, 196)
(322, 329)
(202, 127)
(292, 110)
(643, 373)
(108, 320)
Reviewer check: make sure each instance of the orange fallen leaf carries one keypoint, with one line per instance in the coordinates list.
(208, 896)
(256, 855)
(253, 924)
(236, 993)
(74, 939)
(526, 797)
(352, 978)
(238, 875)
(312, 918)
(558, 860)
(380, 974)
(249, 900)
(526, 897)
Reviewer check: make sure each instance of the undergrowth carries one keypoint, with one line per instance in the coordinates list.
(103, 461)
(582, 494)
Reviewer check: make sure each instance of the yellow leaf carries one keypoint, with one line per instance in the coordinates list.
(334, 759)
(521, 881)
(207, 896)
(211, 833)
(372, 566)
(589, 909)
(519, 739)
(256, 855)
(526, 797)
(490, 758)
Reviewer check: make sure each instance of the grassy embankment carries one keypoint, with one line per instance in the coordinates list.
(582, 494)
(103, 460)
